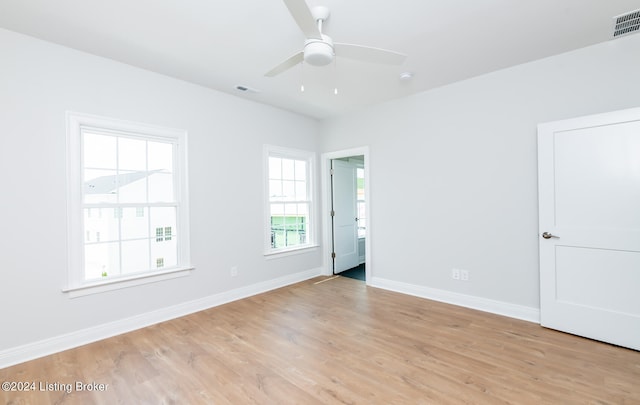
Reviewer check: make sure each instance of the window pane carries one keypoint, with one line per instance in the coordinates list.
(289, 190)
(288, 228)
(99, 186)
(301, 190)
(275, 168)
(361, 211)
(362, 220)
(101, 224)
(132, 154)
(362, 228)
(277, 210)
(101, 260)
(164, 254)
(163, 217)
(288, 169)
(161, 187)
(291, 210)
(301, 170)
(303, 222)
(135, 256)
(132, 187)
(160, 156)
(135, 223)
(303, 209)
(99, 151)
(277, 225)
(275, 190)
(164, 247)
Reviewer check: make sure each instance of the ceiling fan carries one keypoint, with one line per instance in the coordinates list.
(319, 49)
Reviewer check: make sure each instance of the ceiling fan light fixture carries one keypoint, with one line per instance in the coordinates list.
(319, 52)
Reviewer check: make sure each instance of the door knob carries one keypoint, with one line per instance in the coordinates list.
(548, 235)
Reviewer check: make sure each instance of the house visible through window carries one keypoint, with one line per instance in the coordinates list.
(290, 209)
(163, 234)
(134, 174)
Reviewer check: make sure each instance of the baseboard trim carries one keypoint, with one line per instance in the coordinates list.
(20, 354)
(521, 312)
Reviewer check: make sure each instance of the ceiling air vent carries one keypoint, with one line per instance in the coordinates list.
(246, 89)
(626, 24)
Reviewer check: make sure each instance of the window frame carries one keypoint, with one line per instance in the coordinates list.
(77, 123)
(312, 224)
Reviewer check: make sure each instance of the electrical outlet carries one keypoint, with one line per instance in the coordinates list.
(464, 275)
(455, 274)
(234, 271)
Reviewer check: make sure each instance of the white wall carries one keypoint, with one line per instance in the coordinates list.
(39, 81)
(453, 177)
(454, 174)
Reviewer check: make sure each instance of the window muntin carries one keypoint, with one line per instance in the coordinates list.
(290, 220)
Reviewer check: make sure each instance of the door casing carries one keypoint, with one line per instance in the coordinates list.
(344, 224)
(325, 167)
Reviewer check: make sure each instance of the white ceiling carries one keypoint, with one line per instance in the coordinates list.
(221, 44)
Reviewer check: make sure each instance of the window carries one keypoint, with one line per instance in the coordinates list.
(362, 217)
(290, 209)
(136, 175)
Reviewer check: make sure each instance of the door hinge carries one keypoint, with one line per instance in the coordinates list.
(333, 213)
(333, 255)
(331, 171)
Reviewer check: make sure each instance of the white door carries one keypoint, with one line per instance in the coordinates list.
(345, 224)
(589, 191)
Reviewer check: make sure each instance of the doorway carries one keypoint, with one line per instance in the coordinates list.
(346, 213)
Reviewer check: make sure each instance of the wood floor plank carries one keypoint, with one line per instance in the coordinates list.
(336, 342)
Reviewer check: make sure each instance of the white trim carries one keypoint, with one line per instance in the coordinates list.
(589, 121)
(67, 341)
(521, 312)
(275, 254)
(126, 282)
(325, 178)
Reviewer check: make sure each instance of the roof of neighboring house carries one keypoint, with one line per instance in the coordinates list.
(109, 184)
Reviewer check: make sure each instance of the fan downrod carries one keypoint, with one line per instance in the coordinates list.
(320, 13)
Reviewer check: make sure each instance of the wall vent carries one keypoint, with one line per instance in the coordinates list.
(626, 24)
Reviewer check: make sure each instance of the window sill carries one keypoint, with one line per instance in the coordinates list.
(97, 287)
(274, 254)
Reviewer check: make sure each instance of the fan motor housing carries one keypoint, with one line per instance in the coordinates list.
(319, 52)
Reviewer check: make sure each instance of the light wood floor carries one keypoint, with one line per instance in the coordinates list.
(338, 342)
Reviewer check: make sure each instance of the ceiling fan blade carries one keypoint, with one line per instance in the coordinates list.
(287, 64)
(369, 54)
(301, 13)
